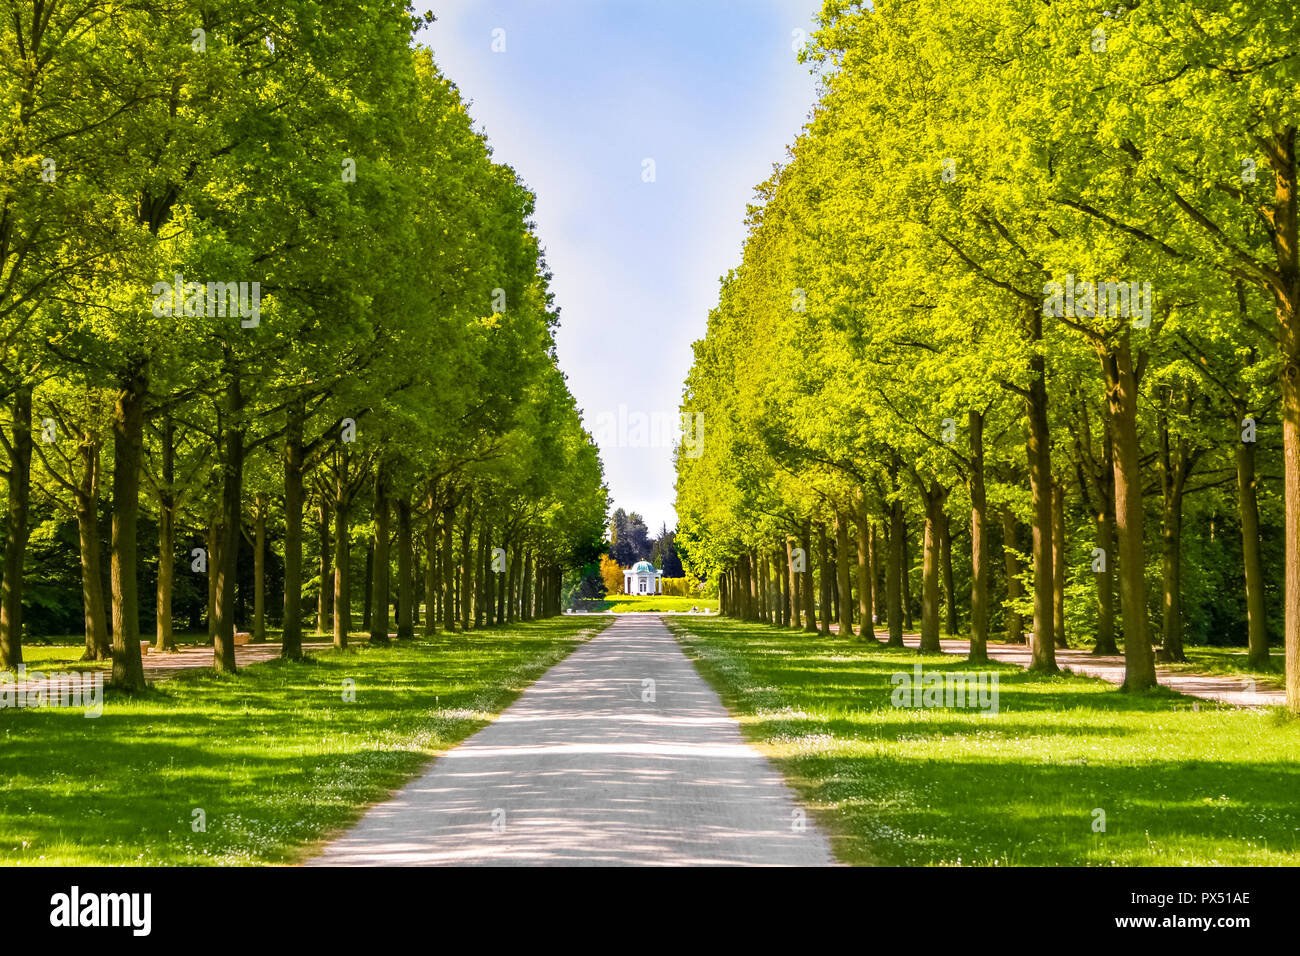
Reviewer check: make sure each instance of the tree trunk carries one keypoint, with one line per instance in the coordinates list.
(223, 651)
(405, 571)
(934, 499)
(325, 596)
(894, 575)
(16, 531)
(945, 572)
(795, 621)
(743, 583)
(1248, 512)
(431, 569)
(1015, 630)
(368, 591)
(1285, 233)
(214, 555)
(342, 558)
(824, 577)
(527, 596)
(128, 441)
(979, 544)
(844, 602)
(878, 563)
(865, 628)
(805, 580)
(259, 570)
(448, 570)
(1122, 396)
(1174, 472)
(514, 611)
(1058, 564)
(905, 585)
(1038, 451)
(98, 647)
(164, 639)
(379, 566)
(291, 638)
(467, 562)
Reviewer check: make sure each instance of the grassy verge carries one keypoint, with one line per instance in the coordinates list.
(647, 603)
(935, 786)
(274, 757)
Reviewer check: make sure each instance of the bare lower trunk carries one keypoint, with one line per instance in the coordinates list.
(291, 623)
(1058, 564)
(325, 596)
(1139, 662)
(945, 574)
(223, 656)
(824, 577)
(128, 440)
(844, 602)
(864, 577)
(431, 569)
(92, 581)
(894, 575)
(526, 611)
(979, 544)
(1248, 512)
(744, 605)
(1015, 630)
(805, 579)
(795, 607)
(342, 558)
(164, 639)
(379, 568)
(905, 585)
(259, 570)
(930, 571)
(448, 572)
(1038, 451)
(405, 571)
(16, 530)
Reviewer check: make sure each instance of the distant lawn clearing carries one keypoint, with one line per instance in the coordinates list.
(647, 603)
(938, 786)
(275, 758)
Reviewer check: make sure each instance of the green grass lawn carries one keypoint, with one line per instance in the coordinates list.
(646, 603)
(274, 757)
(1179, 787)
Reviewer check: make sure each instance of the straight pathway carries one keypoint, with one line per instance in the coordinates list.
(593, 765)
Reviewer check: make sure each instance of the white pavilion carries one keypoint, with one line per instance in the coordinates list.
(642, 578)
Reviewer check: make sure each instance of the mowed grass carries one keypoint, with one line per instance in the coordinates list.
(1178, 787)
(647, 603)
(274, 756)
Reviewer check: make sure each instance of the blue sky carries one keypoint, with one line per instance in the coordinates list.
(586, 91)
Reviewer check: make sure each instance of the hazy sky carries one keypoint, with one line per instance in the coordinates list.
(584, 93)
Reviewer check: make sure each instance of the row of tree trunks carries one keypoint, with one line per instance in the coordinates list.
(16, 530)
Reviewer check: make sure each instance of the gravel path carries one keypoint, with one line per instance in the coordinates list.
(585, 769)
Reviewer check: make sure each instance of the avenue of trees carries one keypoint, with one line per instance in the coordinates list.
(270, 317)
(1020, 308)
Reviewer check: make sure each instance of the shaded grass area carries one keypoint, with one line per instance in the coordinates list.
(947, 786)
(275, 757)
(645, 603)
(1229, 661)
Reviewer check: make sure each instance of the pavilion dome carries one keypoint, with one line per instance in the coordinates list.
(643, 567)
